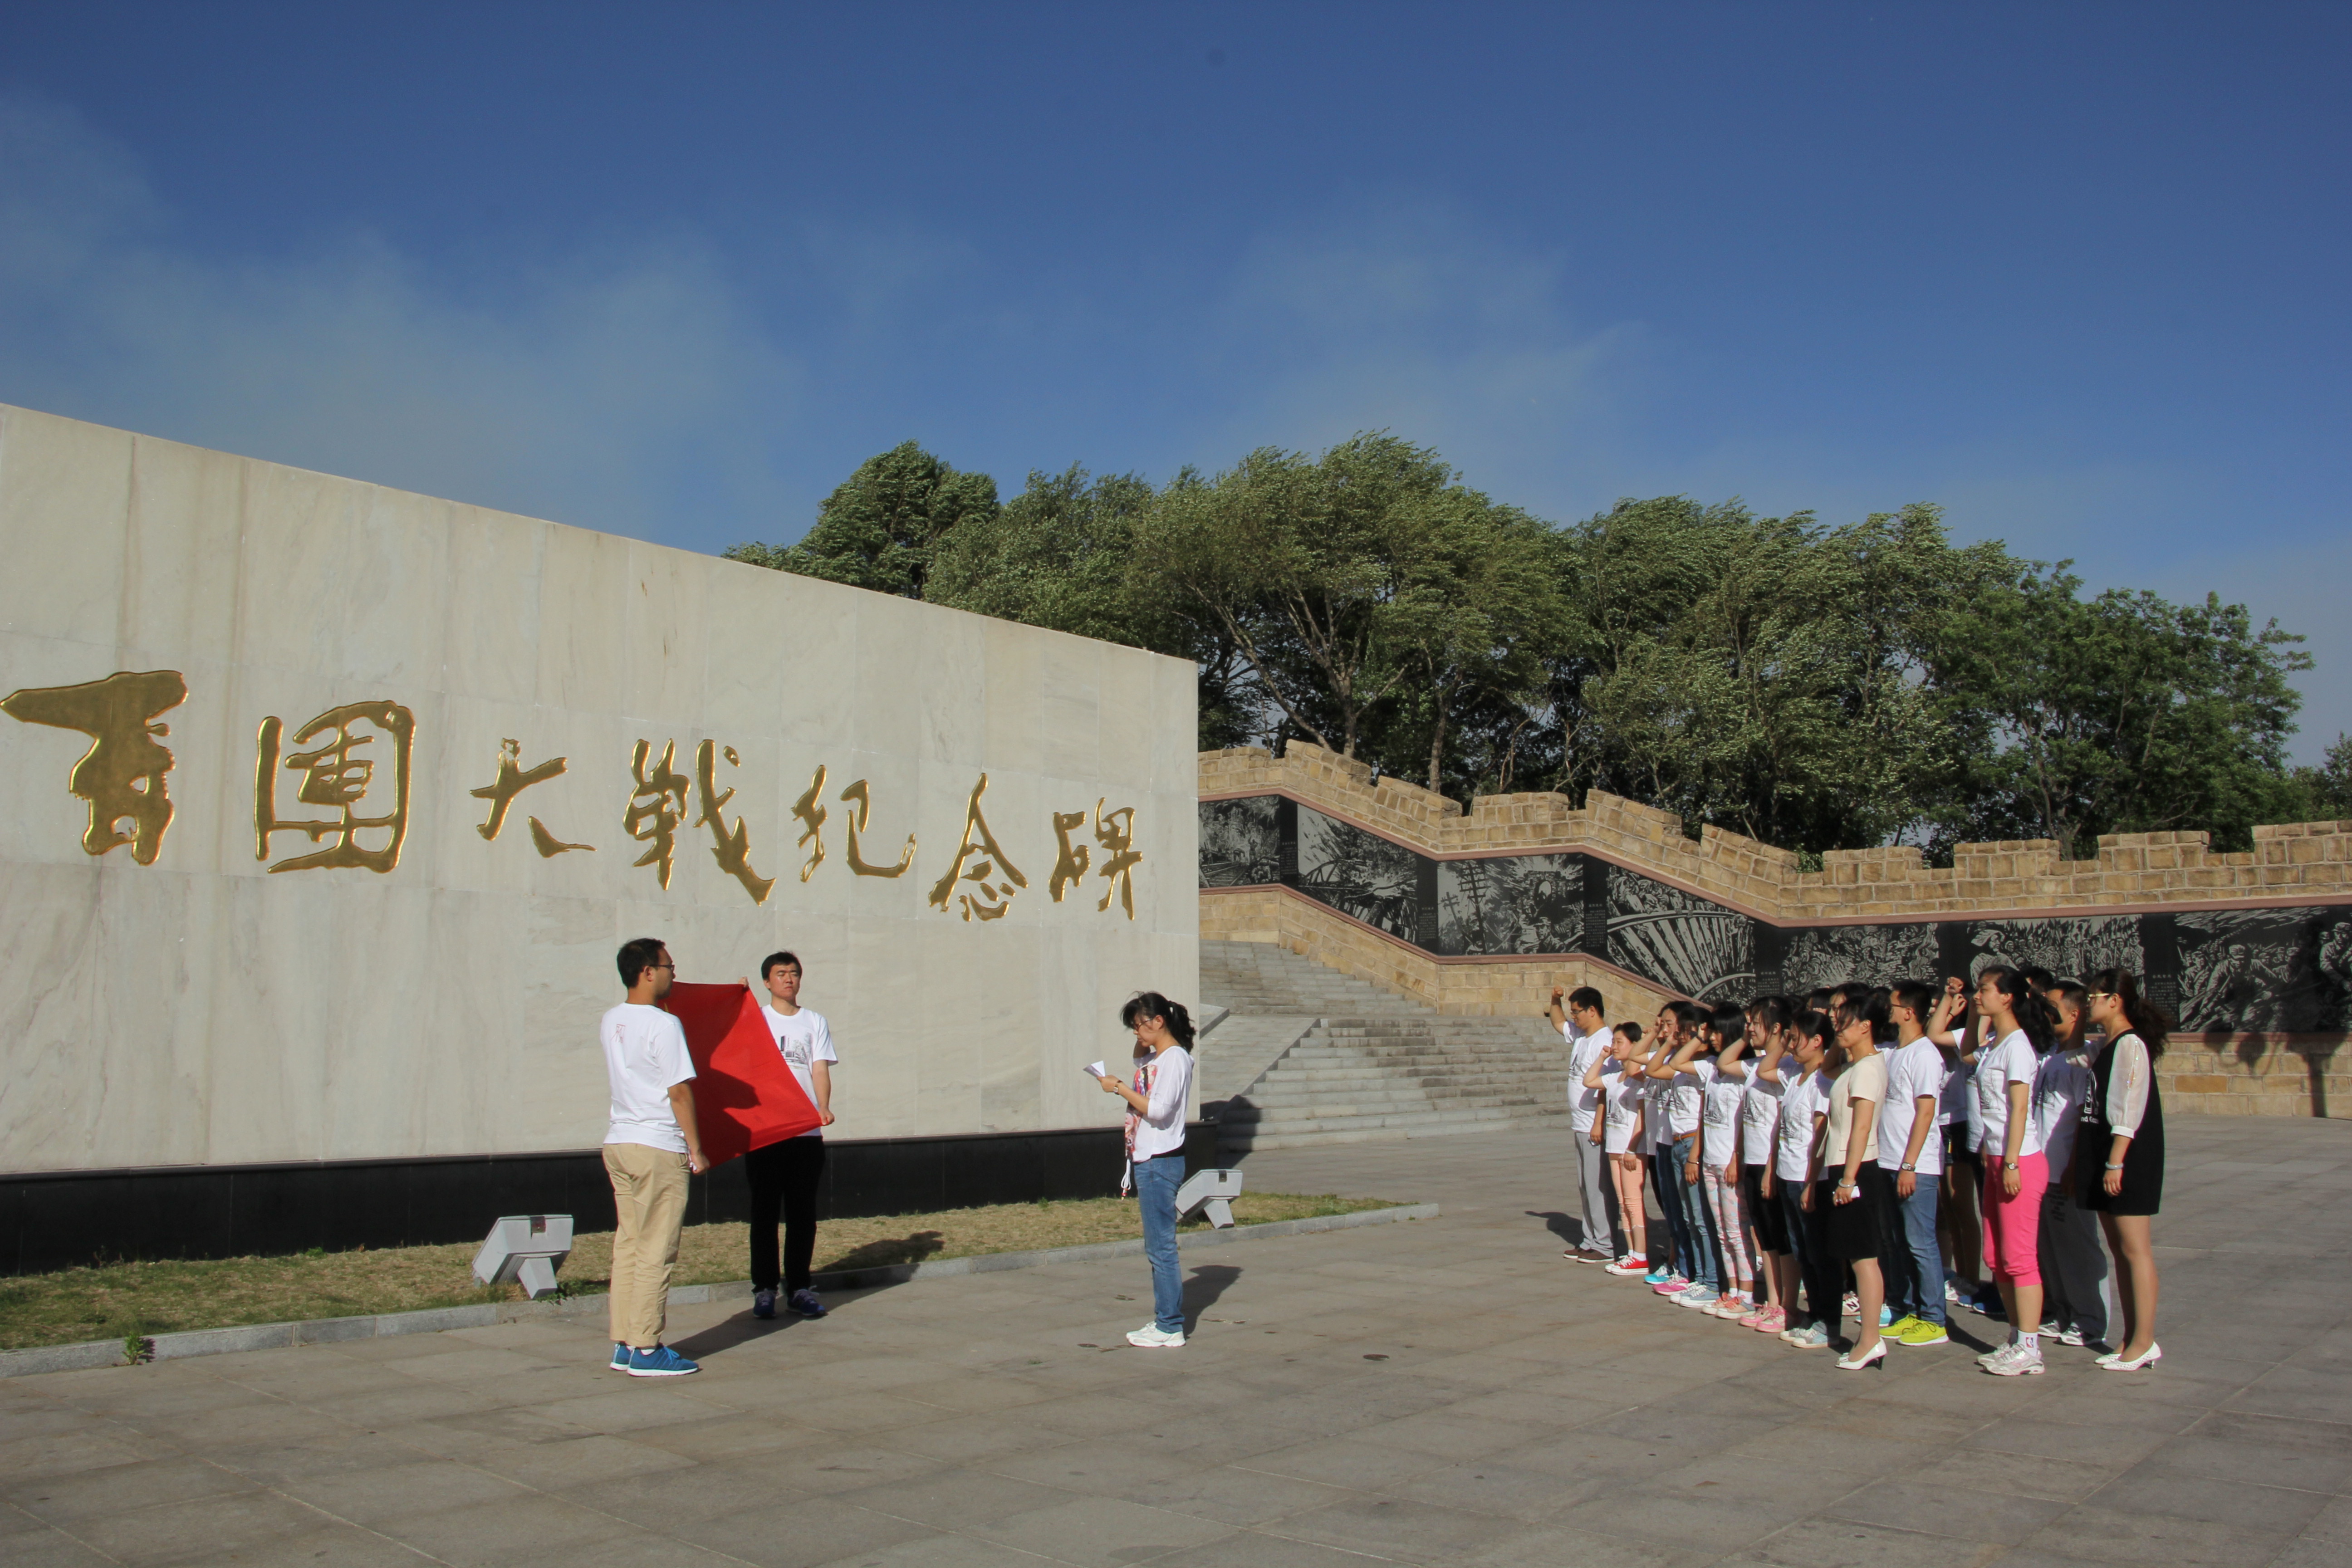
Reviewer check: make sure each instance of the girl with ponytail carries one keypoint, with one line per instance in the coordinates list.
(2020, 1027)
(1155, 1150)
(2119, 1160)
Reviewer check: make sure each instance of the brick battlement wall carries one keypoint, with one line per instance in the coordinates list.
(2254, 1067)
(2290, 862)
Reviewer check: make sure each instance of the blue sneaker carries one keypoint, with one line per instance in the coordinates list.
(659, 1361)
(763, 1303)
(620, 1356)
(803, 1301)
(1658, 1275)
(1697, 1296)
(1885, 1317)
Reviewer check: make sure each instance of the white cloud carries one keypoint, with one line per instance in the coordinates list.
(616, 391)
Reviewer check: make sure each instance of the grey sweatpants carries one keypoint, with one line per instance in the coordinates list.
(2073, 1265)
(1599, 1201)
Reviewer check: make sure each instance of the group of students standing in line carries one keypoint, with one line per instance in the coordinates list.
(1866, 1148)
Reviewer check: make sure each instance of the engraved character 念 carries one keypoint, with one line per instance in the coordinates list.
(980, 861)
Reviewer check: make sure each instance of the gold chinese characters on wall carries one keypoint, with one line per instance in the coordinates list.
(343, 780)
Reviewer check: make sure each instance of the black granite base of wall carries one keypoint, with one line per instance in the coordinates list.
(59, 1219)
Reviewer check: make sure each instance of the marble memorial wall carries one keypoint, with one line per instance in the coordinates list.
(326, 804)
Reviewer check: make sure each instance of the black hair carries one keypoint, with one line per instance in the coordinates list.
(768, 964)
(1862, 1005)
(1730, 1022)
(1812, 1024)
(1683, 1013)
(1585, 996)
(2148, 1021)
(1817, 1000)
(1769, 1011)
(1151, 1005)
(2037, 979)
(1632, 1031)
(637, 955)
(1915, 995)
(2034, 1016)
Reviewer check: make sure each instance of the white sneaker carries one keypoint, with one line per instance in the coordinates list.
(2071, 1336)
(1152, 1338)
(2018, 1362)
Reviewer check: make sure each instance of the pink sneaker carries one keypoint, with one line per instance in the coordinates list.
(1774, 1321)
(1673, 1285)
(1754, 1318)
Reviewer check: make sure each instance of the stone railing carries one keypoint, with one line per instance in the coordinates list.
(1483, 912)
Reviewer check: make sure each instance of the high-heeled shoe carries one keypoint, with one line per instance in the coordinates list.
(2155, 1354)
(1871, 1357)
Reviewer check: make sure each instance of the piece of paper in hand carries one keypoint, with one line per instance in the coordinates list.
(1098, 1071)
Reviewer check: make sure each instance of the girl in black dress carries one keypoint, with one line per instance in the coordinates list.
(2119, 1163)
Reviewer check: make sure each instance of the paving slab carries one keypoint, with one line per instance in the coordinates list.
(1447, 1391)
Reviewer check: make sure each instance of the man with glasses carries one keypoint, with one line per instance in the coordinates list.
(651, 1149)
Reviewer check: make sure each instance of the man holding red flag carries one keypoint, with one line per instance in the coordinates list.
(651, 1147)
(784, 1174)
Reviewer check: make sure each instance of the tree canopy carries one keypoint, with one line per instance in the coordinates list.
(1815, 687)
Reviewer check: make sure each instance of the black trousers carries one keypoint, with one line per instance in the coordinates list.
(784, 1179)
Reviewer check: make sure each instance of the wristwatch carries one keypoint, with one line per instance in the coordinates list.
(2011, 1164)
(1909, 1166)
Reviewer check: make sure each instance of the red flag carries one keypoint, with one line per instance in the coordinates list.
(745, 1097)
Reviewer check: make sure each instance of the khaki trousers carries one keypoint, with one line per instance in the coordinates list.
(649, 1203)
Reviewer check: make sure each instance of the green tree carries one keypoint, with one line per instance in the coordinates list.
(2324, 793)
(2122, 712)
(880, 527)
(1314, 568)
(1062, 554)
(1763, 674)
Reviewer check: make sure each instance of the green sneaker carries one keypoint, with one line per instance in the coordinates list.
(1920, 1332)
(1894, 1330)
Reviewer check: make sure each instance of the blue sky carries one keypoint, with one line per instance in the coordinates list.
(2076, 272)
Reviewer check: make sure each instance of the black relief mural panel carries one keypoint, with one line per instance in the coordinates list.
(1681, 940)
(2236, 970)
(2068, 946)
(2265, 970)
(1511, 903)
(1241, 845)
(1832, 955)
(1360, 874)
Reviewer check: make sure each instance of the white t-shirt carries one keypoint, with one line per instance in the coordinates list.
(645, 1055)
(1959, 1107)
(1912, 1071)
(1656, 1125)
(2064, 1082)
(1623, 1099)
(1799, 1103)
(1687, 1095)
(803, 1039)
(2012, 1061)
(1720, 1118)
(1760, 1117)
(1583, 1051)
(1161, 1131)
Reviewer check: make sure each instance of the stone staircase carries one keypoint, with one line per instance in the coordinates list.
(1314, 1056)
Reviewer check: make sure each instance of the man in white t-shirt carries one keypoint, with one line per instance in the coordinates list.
(651, 1148)
(786, 1175)
(1586, 1028)
(1911, 1155)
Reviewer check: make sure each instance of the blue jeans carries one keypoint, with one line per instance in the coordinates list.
(1706, 1266)
(1666, 1177)
(1156, 1181)
(1915, 1285)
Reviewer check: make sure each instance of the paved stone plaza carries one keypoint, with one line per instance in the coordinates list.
(1445, 1391)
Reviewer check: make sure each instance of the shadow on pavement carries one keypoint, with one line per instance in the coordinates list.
(1201, 1292)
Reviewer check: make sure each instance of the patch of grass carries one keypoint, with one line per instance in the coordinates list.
(130, 1301)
